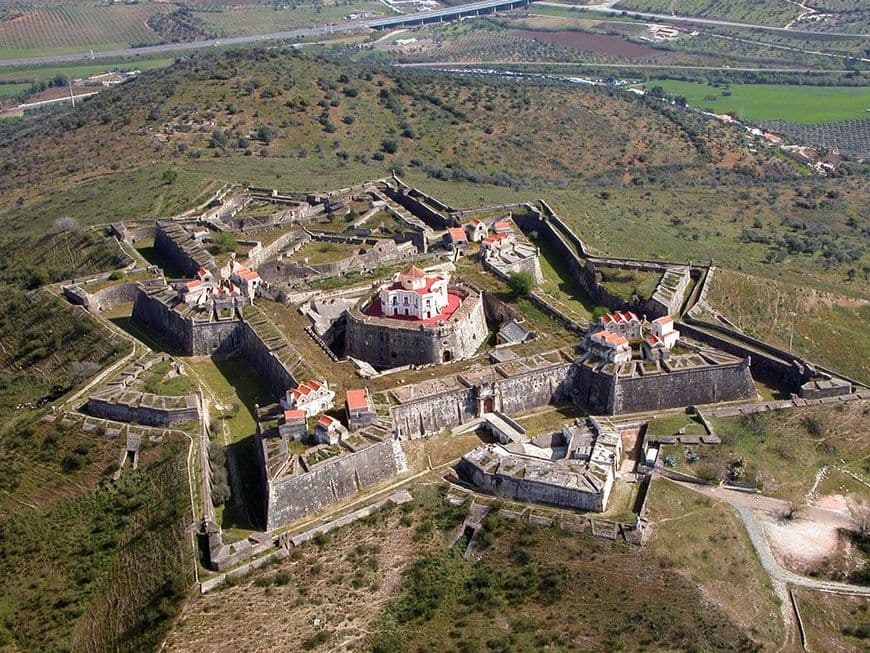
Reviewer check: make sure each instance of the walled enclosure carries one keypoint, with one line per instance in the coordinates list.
(146, 409)
(290, 498)
(387, 342)
(218, 337)
(530, 490)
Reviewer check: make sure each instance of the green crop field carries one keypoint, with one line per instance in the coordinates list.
(45, 73)
(11, 90)
(55, 30)
(807, 104)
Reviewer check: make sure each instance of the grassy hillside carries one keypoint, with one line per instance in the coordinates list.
(314, 116)
(827, 328)
(106, 563)
(390, 584)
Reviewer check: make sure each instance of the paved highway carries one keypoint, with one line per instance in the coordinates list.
(435, 15)
(448, 13)
(609, 8)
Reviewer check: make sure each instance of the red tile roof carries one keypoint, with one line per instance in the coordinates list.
(326, 420)
(502, 224)
(357, 399)
(457, 234)
(611, 338)
(664, 319)
(246, 274)
(430, 281)
(412, 272)
(293, 414)
(190, 285)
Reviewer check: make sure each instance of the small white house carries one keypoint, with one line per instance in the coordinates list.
(476, 230)
(247, 280)
(329, 430)
(311, 397)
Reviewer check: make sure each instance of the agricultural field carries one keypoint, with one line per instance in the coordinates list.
(761, 12)
(851, 137)
(27, 75)
(12, 90)
(259, 20)
(75, 28)
(764, 102)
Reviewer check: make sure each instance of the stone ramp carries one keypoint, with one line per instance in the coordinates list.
(470, 527)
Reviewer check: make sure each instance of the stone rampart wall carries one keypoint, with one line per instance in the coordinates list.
(112, 296)
(331, 481)
(146, 415)
(604, 394)
(259, 255)
(778, 368)
(509, 395)
(158, 317)
(420, 209)
(528, 490)
(166, 246)
(268, 367)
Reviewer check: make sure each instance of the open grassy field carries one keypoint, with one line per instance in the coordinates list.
(258, 20)
(804, 104)
(706, 541)
(75, 28)
(782, 451)
(827, 328)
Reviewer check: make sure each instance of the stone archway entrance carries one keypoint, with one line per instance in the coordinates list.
(489, 404)
(446, 357)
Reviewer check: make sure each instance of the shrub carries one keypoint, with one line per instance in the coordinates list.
(521, 283)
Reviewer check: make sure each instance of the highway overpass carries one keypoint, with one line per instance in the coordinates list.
(446, 14)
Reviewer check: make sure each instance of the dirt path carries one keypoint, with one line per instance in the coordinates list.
(746, 504)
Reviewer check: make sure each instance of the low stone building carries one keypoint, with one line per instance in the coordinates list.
(359, 409)
(575, 468)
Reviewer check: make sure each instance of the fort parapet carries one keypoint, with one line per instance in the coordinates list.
(236, 327)
(295, 485)
(516, 386)
(705, 377)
